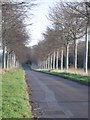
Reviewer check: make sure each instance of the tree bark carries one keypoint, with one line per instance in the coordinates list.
(48, 62)
(67, 56)
(10, 60)
(86, 50)
(54, 60)
(51, 61)
(7, 59)
(44, 64)
(17, 64)
(14, 60)
(62, 59)
(57, 61)
(4, 57)
(75, 54)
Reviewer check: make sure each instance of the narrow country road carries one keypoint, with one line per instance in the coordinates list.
(55, 97)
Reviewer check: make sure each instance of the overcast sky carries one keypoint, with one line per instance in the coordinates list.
(39, 19)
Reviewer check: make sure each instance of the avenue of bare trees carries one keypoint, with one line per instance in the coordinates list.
(14, 35)
(65, 44)
(67, 39)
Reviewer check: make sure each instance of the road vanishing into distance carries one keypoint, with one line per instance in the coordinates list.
(56, 97)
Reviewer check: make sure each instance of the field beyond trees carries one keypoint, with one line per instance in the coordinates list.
(77, 77)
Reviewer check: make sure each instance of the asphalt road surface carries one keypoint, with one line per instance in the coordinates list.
(55, 97)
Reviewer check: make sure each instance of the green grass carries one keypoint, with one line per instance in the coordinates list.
(15, 99)
(78, 78)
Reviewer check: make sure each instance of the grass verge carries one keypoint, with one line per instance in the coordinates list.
(74, 77)
(15, 99)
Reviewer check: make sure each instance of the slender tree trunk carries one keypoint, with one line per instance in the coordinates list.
(67, 56)
(86, 51)
(7, 58)
(44, 65)
(75, 54)
(48, 62)
(62, 59)
(4, 57)
(54, 60)
(51, 61)
(10, 60)
(57, 61)
(17, 64)
(14, 60)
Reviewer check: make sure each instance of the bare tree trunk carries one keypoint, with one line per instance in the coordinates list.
(14, 60)
(51, 61)
(10, 60)
(75, 54)
(17, 64)
(44, 65)
(7, 58)
(48, 62)
(86, 50)
(4, 52)
(57, 61)
(67, 56)
(62, 59)
(3, 57)
(54, 60)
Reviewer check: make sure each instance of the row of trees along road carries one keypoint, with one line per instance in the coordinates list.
(14, 35)
(71, 24)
